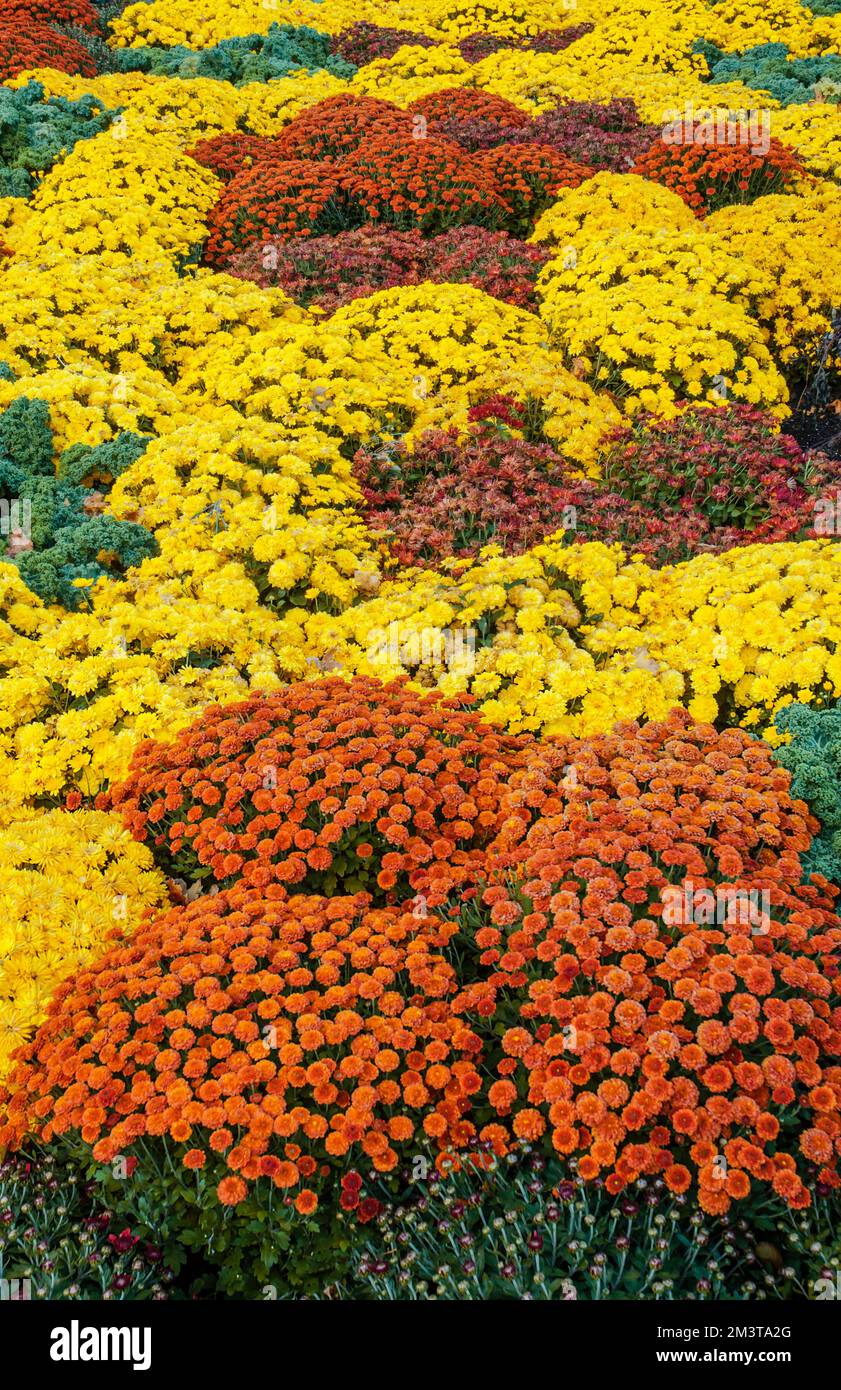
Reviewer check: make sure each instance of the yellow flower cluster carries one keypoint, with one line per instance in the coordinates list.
(412, 73)
(140, 196)
(78, 691)
(571, 638)
(608, 203)
(657, 314)
(452, 345)
(89, 405)
(657, 346)
(540, 81)
(284, 509)
(193, 110)
(66, 882)
(734, 26)
(792, 240)
(170, 22)
(815, 132)
(126, 313)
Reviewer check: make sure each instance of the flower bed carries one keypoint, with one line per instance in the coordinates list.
(421, 613)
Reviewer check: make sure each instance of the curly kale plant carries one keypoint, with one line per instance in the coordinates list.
(284, 49)
(768, 68)
(813, 757)
(50, 522)
(35, 133)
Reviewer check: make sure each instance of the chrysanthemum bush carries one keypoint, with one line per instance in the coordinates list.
(476, 47)
(789, 240)
(27, 43)
(258, 1040)
(427, 183)
(529, 178)
(452, 495)
(283, 198)
(81, 13)
(603, 135)
(660, 347)
(709, 177)
(229, 154)
(325, 785)
(628, 971)
(363, 42)
(331, 271)
(705, 482)
(337, 126)
(667, 489)
(607, 203)
(455, 104)
(659, 977)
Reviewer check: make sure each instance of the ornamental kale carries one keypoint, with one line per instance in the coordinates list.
(50, 522)
(813, 757)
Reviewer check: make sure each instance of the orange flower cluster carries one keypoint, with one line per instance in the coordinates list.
(81, 13)
(261, 1037)
(228, 154)
(328, 781)
(662, 982)
(338, 125)
(708, 177)
(469, 104)
(529, 178)
(431, 184)
(613, 953)
(28, 43)
(349, 160)
(285, 199)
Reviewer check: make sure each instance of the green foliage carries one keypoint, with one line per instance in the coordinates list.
(15, 183)
(768, 68)
(284, 49)
(35, 134)
(813, 757)
(6, 373)
(823, 7)
(61, 537)
(262, 1248)
(76, 553)
(25, 436)
(101, 464)
(54, 1234)
(527, 1228)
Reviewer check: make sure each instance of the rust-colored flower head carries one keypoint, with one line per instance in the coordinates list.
(326, 785)
(662, 980)
(709, 176)
(264, 1036)
(335, 127)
